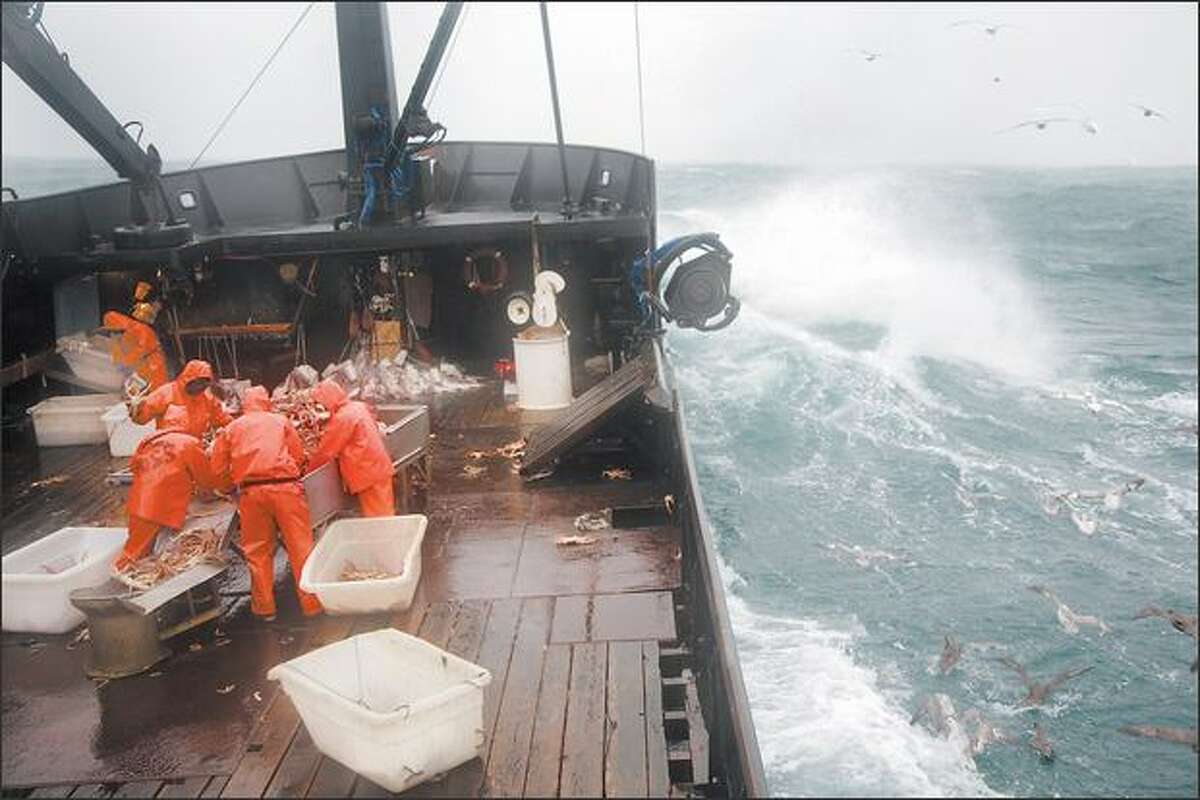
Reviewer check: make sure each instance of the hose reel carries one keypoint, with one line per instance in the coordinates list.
(698, 288)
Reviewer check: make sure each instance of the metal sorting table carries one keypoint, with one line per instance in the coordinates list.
(127, 627)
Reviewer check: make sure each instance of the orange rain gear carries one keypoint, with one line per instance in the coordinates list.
(353, 438)
(204, 410)
(138, 347)
(261, 452)
(167, 467)
(378, 500)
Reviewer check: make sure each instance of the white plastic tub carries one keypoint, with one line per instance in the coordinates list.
(38, 578)
(71, 420)
(543, 372)
(124, 434)
(392, 544)
(90, 360)
(389, 706)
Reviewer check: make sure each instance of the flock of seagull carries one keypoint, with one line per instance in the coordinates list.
(992, 29)
(978, 732)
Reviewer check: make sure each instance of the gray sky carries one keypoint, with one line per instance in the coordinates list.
(736, 82)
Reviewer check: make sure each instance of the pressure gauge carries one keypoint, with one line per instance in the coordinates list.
(519, 309)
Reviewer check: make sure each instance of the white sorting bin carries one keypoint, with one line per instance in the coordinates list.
(71, 420)
(39, 578)
(388, 705)
(124, 435)
(392, 544)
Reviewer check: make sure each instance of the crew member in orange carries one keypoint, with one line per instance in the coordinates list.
(352, 437)
(168, 466)
(138, 346)
(262, 454)
(189, 390)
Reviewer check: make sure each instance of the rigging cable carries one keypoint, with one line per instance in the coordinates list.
(253, 83)
(637, 37)
(437, 81)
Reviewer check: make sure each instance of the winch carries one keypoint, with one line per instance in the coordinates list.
(698, 286)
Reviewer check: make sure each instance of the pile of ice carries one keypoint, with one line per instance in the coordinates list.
(398, 378)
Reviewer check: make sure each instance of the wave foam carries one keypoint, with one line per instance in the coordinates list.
(825, 728)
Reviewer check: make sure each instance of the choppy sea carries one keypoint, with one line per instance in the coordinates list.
(928, 363)
(942, 385)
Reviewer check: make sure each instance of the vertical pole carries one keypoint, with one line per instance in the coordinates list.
(637, 35)
(562, 150)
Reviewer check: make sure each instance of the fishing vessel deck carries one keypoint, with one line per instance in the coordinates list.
(587, 698)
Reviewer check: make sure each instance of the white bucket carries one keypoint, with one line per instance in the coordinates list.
(392, 544)
(543, 372)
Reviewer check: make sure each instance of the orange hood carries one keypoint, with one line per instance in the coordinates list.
(193, 370)
(255, 399)
(330, 394)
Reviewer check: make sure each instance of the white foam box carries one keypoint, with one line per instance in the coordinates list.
(390, 544)
(388, 705)
(71, 420)
(124, 435)
(38, 579)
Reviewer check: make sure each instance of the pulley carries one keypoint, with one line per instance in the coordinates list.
(698, 287)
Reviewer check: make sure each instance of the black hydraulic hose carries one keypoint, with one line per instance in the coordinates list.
(562, 149)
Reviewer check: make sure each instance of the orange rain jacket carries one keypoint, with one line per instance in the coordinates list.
(138, 347)
(353, 438)
(203, 410)
(166, 467)
(259, 445)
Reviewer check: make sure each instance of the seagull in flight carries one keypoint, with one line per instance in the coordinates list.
(1088, 125)
(1037, 693)
(868, 55)
(990, 28)
(1149, 112)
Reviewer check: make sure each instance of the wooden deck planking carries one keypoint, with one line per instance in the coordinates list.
(625, 743)
(657, 775)
(583, 737)
(509, 755)
(62, 790)
(138, 789)
(267, 746)
(188, 787)
(541, 779)
(614, 617)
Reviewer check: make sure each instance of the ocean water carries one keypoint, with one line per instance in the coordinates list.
(925, 359)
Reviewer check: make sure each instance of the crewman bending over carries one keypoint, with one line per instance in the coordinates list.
(353, 438)
(189, 390)
(168, 466)
(138, 347)
(261, 453)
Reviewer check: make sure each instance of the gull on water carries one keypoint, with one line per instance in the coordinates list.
(951, 652)
(1069, 620)
(1041, 744)
(1038, 693)
(1178, 735)
(1184, 623)
(1149, 112)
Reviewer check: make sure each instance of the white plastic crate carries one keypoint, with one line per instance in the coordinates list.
(124, 435)
(388, 705)
(392, 544)
(39, 578)
(71, 420)
(91, 361)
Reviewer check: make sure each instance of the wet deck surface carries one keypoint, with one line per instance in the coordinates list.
(571, 634)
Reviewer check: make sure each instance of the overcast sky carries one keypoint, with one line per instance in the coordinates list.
(774, 83)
